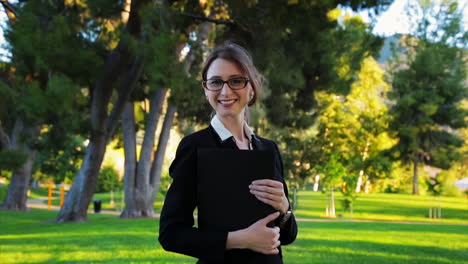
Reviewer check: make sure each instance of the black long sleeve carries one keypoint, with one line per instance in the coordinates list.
(288, 232)
(177, 232)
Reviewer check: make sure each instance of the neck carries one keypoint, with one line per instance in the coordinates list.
(235, 125)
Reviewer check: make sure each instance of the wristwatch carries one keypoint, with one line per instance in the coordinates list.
(284, 218)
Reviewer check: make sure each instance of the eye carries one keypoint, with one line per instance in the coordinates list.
(237, 81)
(215, 82)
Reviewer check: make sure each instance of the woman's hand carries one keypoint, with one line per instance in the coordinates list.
(257, 237)
(270, 192)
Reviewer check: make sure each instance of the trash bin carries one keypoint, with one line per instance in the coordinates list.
(97, 206)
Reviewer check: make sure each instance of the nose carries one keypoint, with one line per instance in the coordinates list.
(225, 89)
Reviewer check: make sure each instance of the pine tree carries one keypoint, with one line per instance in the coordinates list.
(428, 86)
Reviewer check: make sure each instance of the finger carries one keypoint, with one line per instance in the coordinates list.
(268, 182)
(268, 189)
(273, 251)
(277, 229)
(269, 218)
(277, 236)
(277, 244)
(269, 196)
(274, 204)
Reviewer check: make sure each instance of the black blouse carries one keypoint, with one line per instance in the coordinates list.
(176, 230)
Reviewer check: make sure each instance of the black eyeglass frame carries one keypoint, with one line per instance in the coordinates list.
(246, 80)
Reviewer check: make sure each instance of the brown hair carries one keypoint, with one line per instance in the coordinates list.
(242, 58)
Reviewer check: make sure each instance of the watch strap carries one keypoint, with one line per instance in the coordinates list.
(284, 218)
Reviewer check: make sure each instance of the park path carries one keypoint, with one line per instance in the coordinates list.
(41, 203)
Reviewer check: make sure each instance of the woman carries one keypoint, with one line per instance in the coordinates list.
(231, 83)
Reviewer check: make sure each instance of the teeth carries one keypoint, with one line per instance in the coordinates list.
(227, 101)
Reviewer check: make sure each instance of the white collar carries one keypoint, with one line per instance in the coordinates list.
(224, 133)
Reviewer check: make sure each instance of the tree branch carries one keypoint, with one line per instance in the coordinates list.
(126, 87)
(204, 18)
(4, 139)
(10, 12)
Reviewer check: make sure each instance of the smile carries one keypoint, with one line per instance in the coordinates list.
(227, 102)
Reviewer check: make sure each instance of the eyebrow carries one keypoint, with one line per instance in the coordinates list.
(230, 76)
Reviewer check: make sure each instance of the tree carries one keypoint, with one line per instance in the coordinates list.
(121, 71)
(300, 55)
(164, 73)
(428, 87)
(38, 90)
(352, 133)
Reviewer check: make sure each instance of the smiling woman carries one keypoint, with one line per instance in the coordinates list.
(229, 100)
(231, 84)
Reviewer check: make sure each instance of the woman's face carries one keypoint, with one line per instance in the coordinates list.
(227, 103)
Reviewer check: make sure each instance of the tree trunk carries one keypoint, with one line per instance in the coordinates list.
(84, 185)
(156, 169)
(332, 203)
(129, 140)
(139, 196)
(4, 139)
(102, 123)
(203, 32)
(140, 199)
(415, 178)
(78, 198)
(16, 198)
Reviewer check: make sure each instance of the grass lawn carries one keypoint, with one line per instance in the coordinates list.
(388, 207)
(30, 238)
(374, 206)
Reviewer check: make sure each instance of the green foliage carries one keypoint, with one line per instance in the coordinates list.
(399, 181)
(300, 54)
(352, 138)
(105, 8)
(164, 183)
(427, 91)
(59, 157)
(315, 50)
(3, 193)
(334, 171)
(11, 159)
(55, 30)
(108, 180)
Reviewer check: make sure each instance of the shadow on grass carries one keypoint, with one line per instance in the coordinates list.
(106, 239)
(389, 227)
(112, 246)
(349, 251)
(163, 260)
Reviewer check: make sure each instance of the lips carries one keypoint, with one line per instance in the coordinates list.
(227, 102)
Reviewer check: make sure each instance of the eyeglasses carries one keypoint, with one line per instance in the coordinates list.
(234, 83)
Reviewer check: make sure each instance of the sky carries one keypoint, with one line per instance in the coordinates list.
(390, 22)
(394, 20)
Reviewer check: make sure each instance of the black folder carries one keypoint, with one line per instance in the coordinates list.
(224, 199)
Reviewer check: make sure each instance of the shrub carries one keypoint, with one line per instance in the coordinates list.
(108, 180)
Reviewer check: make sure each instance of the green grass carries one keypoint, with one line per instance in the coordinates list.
(388, 207)
(30, 238)
(374, 206)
